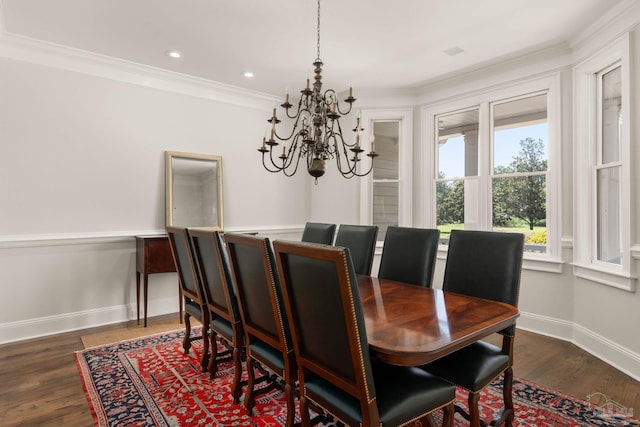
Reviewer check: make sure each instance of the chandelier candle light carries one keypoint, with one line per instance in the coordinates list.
(316, 134)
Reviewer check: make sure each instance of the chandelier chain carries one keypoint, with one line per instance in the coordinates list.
(318, 30)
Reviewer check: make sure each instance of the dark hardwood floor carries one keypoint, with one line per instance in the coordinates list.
(40, 385)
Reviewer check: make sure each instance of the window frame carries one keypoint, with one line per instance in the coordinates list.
(551, 260)
(587, 140)
(404, 117)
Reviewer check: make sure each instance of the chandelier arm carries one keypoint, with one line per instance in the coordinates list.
(285, 165)
(345, 113)
(351, 165)
(295, 169)
(361, 174)
(297, 111)
(334, 95)
(264, 163)
(345, 173)
(344, 143)
(286, 162)
(273, 162)
(295, 126)
(352, 171)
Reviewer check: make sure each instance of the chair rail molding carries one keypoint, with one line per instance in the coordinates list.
(101, 237)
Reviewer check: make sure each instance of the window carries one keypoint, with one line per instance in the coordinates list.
(457, 180)
(496, 159)
(604, 194)
(385, 194)
(517, 175)
(520, 167)
(386, 180)
(608, 165)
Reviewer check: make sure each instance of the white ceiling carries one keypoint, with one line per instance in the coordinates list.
(366, 43)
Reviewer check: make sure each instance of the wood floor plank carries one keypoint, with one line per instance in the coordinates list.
(40, 385)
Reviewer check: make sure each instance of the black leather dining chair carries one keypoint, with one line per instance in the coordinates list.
(486, 265)
(335, 370)
(317, 232)
(409, 255)
(361, 241)
(213, 266)
(190, 290)
(266, 329)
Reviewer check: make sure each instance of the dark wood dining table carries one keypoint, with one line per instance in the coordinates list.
(413, 325)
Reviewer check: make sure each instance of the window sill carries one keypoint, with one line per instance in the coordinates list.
(617, 280)
(547, 265)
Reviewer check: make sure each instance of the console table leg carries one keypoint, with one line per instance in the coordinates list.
(138, 297)
(146, 289)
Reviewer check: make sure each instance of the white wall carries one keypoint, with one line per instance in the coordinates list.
(82, 172)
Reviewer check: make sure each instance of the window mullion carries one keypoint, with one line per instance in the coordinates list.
(485, 154)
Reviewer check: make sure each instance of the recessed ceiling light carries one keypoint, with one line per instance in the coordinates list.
(455, 50)
(248, 74)
(175, 54)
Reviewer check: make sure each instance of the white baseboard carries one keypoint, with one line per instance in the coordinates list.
(615, 355)
(545, 325)
(49, 325)
(608, 351)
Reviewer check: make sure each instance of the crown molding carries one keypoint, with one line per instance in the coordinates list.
(52, 55)
(619, 19)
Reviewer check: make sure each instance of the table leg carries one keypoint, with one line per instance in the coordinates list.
(146, 293)
(138, 296)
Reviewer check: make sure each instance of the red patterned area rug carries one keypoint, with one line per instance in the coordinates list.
(151, 382)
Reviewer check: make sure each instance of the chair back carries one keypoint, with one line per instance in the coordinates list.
(316, 232)
(213, 266)
(258, 290)
(485, 264)
(328, 329)
(361, 241)
(185, 266)
(409, 255)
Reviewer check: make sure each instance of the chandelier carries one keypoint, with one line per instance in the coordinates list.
(316, 135)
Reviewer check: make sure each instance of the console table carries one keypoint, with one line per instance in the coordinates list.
(153, 255)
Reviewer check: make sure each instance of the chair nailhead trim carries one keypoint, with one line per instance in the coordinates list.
(275, 295)
(353, 314)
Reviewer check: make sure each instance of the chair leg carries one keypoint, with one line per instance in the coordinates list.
(474, 411)
(186, 343)
(204, 358)
(236, 389)
(291, 409)
(249, 398)
(304, 412)
(449, 412)
(507, 389)
(508, 413)
(213, 360)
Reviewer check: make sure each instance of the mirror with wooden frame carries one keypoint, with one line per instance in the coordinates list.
(193, 190)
